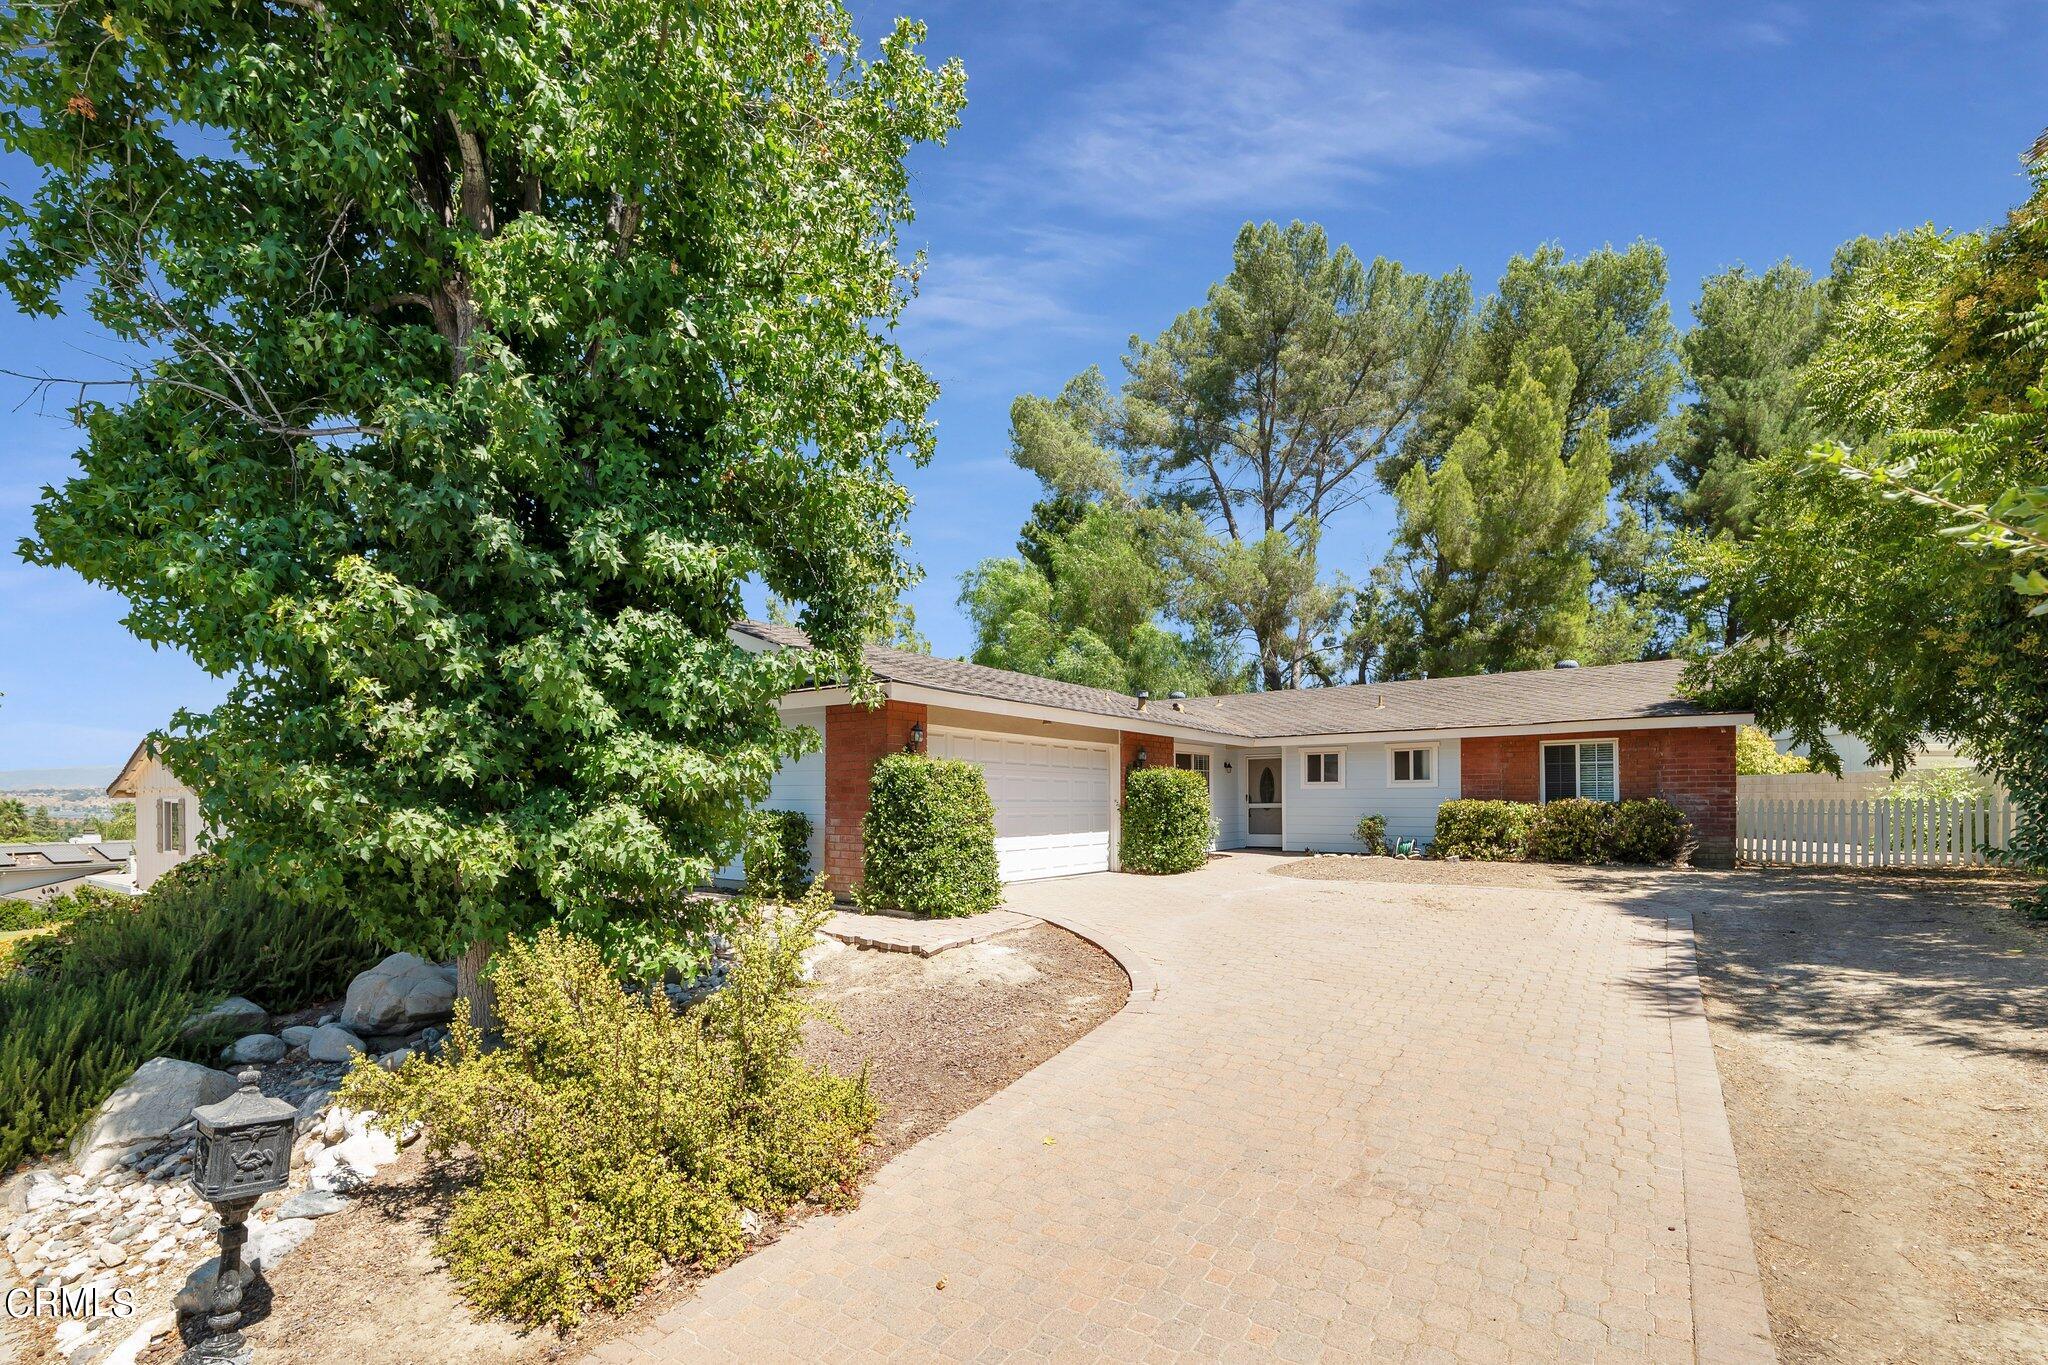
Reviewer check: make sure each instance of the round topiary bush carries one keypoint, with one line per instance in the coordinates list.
(930, 838)
(1166, 821)
(1486, 830)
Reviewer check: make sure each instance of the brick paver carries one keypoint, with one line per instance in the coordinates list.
(1340, 1121)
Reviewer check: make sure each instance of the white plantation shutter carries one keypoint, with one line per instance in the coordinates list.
(1596, 772)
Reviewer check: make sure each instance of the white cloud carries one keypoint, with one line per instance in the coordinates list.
(1271, 101)
(1027, 284)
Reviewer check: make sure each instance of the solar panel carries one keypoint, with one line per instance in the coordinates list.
(66, 855)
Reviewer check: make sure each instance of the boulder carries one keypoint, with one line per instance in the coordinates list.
(350, 1164)
(238, 1013)
(296, 1035)
(153, 1103)
(311, 1204)
(268, 1244)
(257, 1047)
(399, 994)
(333, 1043)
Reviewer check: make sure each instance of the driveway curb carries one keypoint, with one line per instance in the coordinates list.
(1147, 989)
(1730, 1321)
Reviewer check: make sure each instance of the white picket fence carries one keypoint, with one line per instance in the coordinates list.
(1870, 833)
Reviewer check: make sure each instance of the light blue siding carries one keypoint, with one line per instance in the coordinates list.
(1325, 818)
(798, 786)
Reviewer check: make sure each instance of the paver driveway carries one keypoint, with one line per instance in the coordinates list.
(1338, 1120)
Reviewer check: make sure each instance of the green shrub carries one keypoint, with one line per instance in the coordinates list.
(1485, 830)
(1572, 831)
(611, 1136)
(1166, 825)
(777, 860)
(1372, 833)
(22, 915)
(1652, 831)
(930, 838)
(86, 1005)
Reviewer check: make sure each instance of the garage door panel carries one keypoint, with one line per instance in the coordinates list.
(1051, 799)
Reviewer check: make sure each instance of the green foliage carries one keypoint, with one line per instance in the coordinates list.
(1651, 831)
(24, 824)
(1937, 784)
(1494, 545)
(611, 1136)
(1372, 833)
(777, 860)
(1864, 612)
(1756, 754)
(22, 915)
(1166, 826)
(15, 914)
(87, 1005)
(1572, 831)
(1491, 831)
(930, 838)
(482, 353)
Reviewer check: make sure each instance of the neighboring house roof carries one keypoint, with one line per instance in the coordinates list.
(1614, 693)
(87, 858)
(128, 781)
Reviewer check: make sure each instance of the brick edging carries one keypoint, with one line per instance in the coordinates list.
(1146, 986)
(1730, 1321)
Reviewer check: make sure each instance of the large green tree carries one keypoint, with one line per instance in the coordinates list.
(1751, 337)
(1862, 609)
(486, 348)
(1492, 557)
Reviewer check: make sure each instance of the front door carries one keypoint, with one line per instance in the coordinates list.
(1262, 802)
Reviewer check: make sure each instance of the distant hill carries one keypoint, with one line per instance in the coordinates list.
(55, 779)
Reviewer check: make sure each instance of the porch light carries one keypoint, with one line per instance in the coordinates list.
(1141, 757)
(916, 744)
(245, 1152)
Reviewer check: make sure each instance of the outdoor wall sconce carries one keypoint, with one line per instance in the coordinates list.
(916, 745)
(245, 1152)
(1141, 757)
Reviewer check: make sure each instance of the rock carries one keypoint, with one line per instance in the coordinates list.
(296, 1035)
(333, 1043)
(258, 1047)
(130, 1348)
(268, 1244)
(750, 1224)
(190, 1216)
(239, 1014)
(311, 1204)
(394, 1059)
(351, 1163)
(110, 1255)
(153, 1103)
(37, 1190)
(399, 994)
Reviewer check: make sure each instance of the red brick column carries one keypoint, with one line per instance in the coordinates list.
(1158, 750)
(855, 736)
(1697, 775)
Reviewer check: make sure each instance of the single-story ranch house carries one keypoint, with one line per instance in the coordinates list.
(1286, 770)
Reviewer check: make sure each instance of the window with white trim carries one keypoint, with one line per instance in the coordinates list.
(1585, 767)
(1322, 770)
(170, 826)
(1194, 763)
(1412, 765)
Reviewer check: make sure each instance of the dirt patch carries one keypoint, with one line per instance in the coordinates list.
(938, 1036)
(1882, 1053)
(1357, 867)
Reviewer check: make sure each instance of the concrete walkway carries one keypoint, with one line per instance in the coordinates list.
(1337, 1121)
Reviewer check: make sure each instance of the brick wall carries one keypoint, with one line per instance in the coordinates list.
(1158, 750)
(855, 736)
(1692, 768)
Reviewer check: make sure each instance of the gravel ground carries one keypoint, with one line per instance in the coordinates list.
(938, 1035)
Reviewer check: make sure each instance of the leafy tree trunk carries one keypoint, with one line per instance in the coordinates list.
(473, 985)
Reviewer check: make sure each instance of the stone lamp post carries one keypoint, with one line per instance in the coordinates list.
(245, 1152)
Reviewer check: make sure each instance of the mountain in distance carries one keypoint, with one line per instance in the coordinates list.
(56, 779)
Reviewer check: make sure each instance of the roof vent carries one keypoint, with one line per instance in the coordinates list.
(1176, 696)
(1143, 697)
(1566, 663)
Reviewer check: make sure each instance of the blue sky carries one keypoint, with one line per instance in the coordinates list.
(1111, 150)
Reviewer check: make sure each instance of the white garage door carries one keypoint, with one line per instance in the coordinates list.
(1052, 801)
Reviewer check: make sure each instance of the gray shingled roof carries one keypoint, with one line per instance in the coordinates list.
(66, 854)
(1615, 692)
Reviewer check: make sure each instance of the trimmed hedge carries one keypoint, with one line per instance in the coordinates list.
(777, 857)
(1483, 830)
(1571, 831)
(1650, 831)
(1166, 821)
(930, 838)
(87, 1004)
(1372, 832)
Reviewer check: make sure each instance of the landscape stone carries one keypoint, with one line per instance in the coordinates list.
(258, 1047)
(268, 1244)
(311, 1204)
(402, 993)
(151, 1104)
(296, 1035)
(333, 1043)
(238, 1012)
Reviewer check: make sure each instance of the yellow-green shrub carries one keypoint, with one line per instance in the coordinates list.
(777, 859)
(1485, 830)
(611, 1135)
